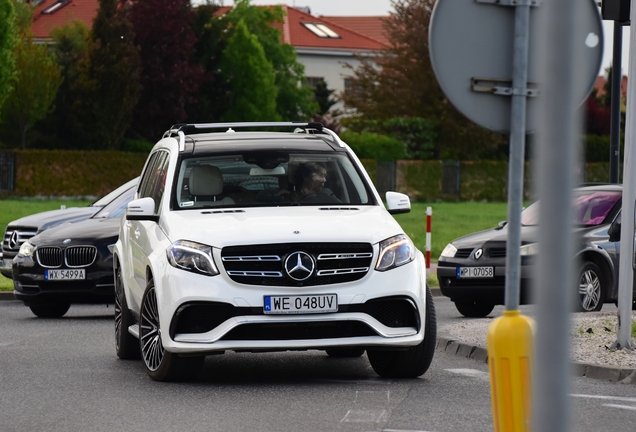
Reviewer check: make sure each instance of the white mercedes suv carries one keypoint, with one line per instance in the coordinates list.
(266, 237)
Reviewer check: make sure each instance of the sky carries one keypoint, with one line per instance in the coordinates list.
(383, 7)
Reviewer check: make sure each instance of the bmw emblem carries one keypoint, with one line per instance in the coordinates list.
(478, 253)
(67, 241)
(299, 266)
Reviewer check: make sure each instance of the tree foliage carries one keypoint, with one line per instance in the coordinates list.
(7, 42)
(252, 76)
(323, 98)
(108, 80)
(294, 101)
(400, 83)
(163, 31)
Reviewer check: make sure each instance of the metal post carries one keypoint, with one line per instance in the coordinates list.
(554, 284)
(616, 87)
(516, 159)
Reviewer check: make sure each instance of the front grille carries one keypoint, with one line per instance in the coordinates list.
(80, 256)
(463, 253)
(265, 264)
(497, 253)
(300, 331)
(74, 256)
(49, 256)
(15, 236)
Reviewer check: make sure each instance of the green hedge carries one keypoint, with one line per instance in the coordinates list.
(94, 173)
(73, 172)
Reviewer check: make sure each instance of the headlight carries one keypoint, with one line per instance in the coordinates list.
(529, 249)
(394, 252)
(26, 250)
(449, 251)
(191, 256)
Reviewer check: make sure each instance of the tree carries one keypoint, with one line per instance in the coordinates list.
(323, 97)
(37, 78)
(60, 128)
(252, 76)
(164, 33)
(7, 42)
(294, 101)
(400, 83)
(108, 80)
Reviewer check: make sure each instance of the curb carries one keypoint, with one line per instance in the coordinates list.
(480, 354)
(7, 295)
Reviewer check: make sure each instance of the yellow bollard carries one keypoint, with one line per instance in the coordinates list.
(510, 339)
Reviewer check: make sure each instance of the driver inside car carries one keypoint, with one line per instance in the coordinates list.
(310, 179)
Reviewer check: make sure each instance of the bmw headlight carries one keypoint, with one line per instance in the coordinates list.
(529, 249)
(191, 256)
(26, 250)
(449, 251)
(394, 252)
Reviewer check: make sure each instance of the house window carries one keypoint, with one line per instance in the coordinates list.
(313, 81)
(59, 4)
(347, 85)
(321, 30)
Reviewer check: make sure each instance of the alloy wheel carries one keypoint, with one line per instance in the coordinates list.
(152, 349)
(589, 290)
(118, 306)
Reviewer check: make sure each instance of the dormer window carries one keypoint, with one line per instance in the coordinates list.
(321, 30)
(35, 3)
(59, 4)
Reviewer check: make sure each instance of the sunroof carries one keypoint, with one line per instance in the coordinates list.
(321, 30)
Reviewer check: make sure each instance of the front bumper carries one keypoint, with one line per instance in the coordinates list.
(248, 328)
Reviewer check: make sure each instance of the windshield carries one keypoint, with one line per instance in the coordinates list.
(591, 208)
(117, 207)
(110, 196)
(260, 179)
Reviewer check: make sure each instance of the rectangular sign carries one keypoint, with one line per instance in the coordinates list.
(66, 274)
(475, 272)
(300, 304)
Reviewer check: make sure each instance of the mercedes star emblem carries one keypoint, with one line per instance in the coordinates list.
(299, 266)
(13, 240)
(478, 253)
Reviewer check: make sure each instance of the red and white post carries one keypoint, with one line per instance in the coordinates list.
(429, 214)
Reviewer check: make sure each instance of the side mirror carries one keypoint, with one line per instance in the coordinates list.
(614, 230)
(397, 203)
(142, 210)
(501, 224)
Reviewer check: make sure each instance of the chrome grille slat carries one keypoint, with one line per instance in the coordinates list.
(342, 271)
(252, 258)
(255, 273)
(80, 256)
(49, 257)
(344, 256)
(24, 234)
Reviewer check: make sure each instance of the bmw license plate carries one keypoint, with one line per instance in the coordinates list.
(475, 272)
(301, 304)
(70, 274)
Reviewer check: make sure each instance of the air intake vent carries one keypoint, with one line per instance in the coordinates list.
(463, 253)
(497, 253)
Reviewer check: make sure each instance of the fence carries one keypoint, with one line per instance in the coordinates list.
(7, 170)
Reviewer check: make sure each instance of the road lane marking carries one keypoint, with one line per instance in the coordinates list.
(364, 416)
(631, 408)
(473, 373)
(615, 398)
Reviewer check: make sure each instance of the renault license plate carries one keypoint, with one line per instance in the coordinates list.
(475, 272)
(70, 274)
(300, 304)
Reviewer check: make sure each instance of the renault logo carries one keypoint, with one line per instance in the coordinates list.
(13, 240)
(299, 266)
(478, 253)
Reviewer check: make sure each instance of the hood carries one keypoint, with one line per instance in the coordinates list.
(528, 235)
(90, 231)
(49, 219)
(368, 224)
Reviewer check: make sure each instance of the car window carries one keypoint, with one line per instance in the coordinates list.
(269, 179)
(156, 179)
(117, 207)
(590, 208)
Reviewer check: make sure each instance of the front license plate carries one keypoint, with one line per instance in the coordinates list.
(475, 272)
(320, 303)
(65, 274)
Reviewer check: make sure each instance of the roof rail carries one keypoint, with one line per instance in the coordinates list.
(208, 127)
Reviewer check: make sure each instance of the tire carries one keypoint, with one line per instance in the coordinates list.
(50, 311)
(345, 352)
(474, 309)
(416, 360)
(160, 364)
(126, 345)
(591, 288)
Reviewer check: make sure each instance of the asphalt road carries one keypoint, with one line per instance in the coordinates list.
(63, 375)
